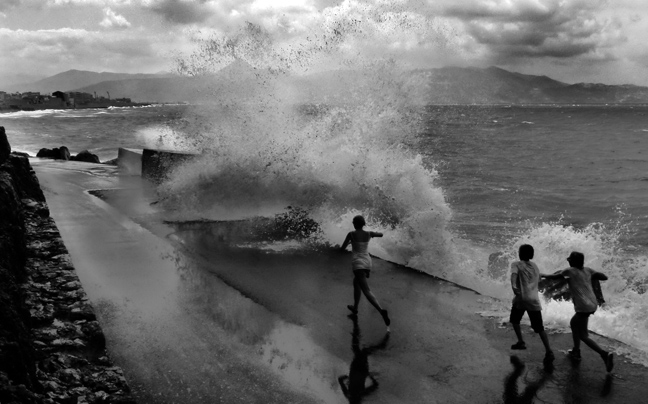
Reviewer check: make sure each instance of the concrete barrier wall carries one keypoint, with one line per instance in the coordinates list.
(129, 161)
(156, 164)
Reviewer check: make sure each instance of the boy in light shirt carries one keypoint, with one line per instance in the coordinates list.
(525, 276)
(580, 278)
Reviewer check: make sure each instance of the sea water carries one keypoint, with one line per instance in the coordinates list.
(449, 186)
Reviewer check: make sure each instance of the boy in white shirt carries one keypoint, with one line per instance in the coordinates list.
(525, 276)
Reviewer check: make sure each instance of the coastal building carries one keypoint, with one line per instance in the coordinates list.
(33, 100)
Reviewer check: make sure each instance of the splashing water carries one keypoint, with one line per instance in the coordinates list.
(623, 316)
(271, 138)
(336, 144)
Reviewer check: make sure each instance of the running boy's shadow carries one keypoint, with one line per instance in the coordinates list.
(511, 393)
(354, 385)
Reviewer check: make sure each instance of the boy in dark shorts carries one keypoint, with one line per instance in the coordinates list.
(585, 302)
(525, 276)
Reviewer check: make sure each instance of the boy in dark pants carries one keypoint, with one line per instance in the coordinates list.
(585, 304)
(525, 276)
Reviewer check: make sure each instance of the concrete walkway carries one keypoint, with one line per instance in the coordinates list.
(193, 314)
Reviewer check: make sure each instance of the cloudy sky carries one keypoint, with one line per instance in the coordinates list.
(600, 41)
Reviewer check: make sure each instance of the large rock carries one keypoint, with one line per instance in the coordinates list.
(86, 156)
(61, 153)
(5, 148)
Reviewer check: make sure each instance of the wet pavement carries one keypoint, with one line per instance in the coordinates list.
(197, 313)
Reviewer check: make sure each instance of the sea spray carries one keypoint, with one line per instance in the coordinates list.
(269, 141)
(623, 316)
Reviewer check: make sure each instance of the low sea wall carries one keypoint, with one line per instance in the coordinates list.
(52, 349)
(157, 164)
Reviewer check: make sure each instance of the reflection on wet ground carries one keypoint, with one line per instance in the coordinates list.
(285, 349)
(527, 384)
(360, 382)
(512, 395)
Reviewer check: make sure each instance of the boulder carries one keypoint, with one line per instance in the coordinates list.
(45, 153)
(5, 147)
(87, 157)
(61, 153)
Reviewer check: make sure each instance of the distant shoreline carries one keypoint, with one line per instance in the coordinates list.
(94, 105)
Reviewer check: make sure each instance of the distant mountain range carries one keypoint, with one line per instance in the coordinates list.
(494, 85)
(448, 85)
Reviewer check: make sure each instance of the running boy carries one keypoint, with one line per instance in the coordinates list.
(525, 276)
(580, 278)
(361, 265)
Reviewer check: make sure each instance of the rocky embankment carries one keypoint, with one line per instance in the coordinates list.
(52, 349)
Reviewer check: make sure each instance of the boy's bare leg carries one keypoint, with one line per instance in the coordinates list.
(518, 332)
(592, 344)
(575, 327)
(364, 286)
(356, 292)
(545, 341)
(584, 336)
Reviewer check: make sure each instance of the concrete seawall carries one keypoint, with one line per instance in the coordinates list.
(52, 349)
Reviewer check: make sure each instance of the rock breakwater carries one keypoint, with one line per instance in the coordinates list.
(52, 349)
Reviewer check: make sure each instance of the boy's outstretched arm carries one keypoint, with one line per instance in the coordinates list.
(375, 234)
(556, 275)
(599, 276)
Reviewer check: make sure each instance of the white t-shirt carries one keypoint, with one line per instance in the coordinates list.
(580, 286)
(528, 276)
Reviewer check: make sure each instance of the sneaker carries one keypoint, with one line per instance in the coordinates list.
(608, 358)
(574, 354)
(385, 317)
(518, 345)
(549, 356)
(352, 309)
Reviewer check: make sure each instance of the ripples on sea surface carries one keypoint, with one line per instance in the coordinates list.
(573, 164)
(100, 131)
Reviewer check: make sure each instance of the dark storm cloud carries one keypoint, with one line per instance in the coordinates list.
(525, 28)
(526, 39)
(182, 12)
(520, 11)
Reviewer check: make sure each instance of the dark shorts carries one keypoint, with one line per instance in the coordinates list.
(534, 316)
(360, 272)
(579, 322)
